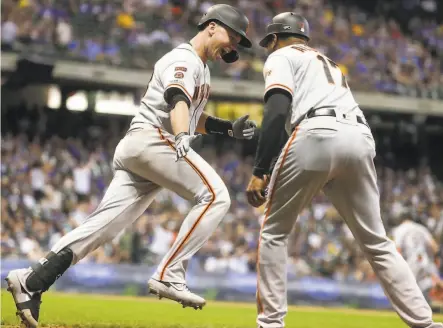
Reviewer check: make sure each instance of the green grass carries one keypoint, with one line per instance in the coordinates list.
(73, 310)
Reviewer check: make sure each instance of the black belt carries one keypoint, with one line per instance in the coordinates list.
(326, 112)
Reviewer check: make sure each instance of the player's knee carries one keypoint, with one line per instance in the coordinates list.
(222, 198)
(379, 247)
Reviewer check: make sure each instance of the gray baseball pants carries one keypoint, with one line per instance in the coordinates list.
(144, 162)
(336, 156)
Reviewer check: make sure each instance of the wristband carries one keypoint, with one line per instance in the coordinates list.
(181, 134)
(259, 172)
(215, 125)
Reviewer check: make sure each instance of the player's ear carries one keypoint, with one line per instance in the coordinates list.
(211, 28)
(274, 41)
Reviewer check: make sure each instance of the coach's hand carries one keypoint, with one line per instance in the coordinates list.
(256, 191)
(183, 143)
(242, 128)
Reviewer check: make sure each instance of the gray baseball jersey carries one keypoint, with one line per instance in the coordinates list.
(414, 242)
(333, 153)
(145, 161)
(181, 68)
(297, 69)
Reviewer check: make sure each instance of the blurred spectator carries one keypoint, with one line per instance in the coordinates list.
(64, 33)
(9, 33)
(386, 49)
(125, 20)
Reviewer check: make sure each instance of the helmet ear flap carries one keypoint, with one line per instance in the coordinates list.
(268, 39)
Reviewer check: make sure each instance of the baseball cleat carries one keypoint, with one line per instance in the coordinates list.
(28, 307)
(176, 292)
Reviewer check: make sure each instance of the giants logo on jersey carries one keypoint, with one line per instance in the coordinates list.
(201, 92)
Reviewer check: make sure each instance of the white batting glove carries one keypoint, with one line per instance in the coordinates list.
(242, 128)
(183, 143)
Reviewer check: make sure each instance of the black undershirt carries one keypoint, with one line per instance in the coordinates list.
(272, 134)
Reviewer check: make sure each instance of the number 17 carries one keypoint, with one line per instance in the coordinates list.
(327, 70)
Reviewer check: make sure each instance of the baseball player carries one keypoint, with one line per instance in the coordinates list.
(331, 148)
(156, 153)
(418, 247)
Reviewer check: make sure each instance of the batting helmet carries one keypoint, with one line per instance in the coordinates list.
(232, 18)
(286, 23)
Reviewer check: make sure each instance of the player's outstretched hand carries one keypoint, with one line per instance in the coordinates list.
(255, 192)
(183, 143)
(242, 128)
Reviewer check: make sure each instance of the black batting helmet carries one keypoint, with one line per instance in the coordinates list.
(232, 18)
(286, 23)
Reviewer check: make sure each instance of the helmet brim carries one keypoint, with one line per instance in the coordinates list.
(264, 42)
(245, 42)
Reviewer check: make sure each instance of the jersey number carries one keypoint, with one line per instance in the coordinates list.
(326, 68)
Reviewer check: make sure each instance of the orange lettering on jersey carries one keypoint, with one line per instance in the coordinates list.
(181, 68)
(303, 48)
(196, 93)
(206, 95)
(299, 48)
(179, 75)
(201, 92)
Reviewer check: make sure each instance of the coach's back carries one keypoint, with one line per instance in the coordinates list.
(314, 81)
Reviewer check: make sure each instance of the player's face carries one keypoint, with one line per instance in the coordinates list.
(222, 41)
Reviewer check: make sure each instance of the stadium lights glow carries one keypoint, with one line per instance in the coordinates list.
(54, 97)
(115, 103)
(77, 102)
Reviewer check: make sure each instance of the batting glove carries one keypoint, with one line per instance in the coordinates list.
(183, 143)
(242, 128)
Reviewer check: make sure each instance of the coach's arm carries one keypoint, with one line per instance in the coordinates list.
(277, 107)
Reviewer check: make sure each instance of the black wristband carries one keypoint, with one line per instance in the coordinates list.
(259, 172)
(181, 134)
(215, 125)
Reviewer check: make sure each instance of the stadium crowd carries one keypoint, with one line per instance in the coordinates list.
(50, 186)
(391, 46)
